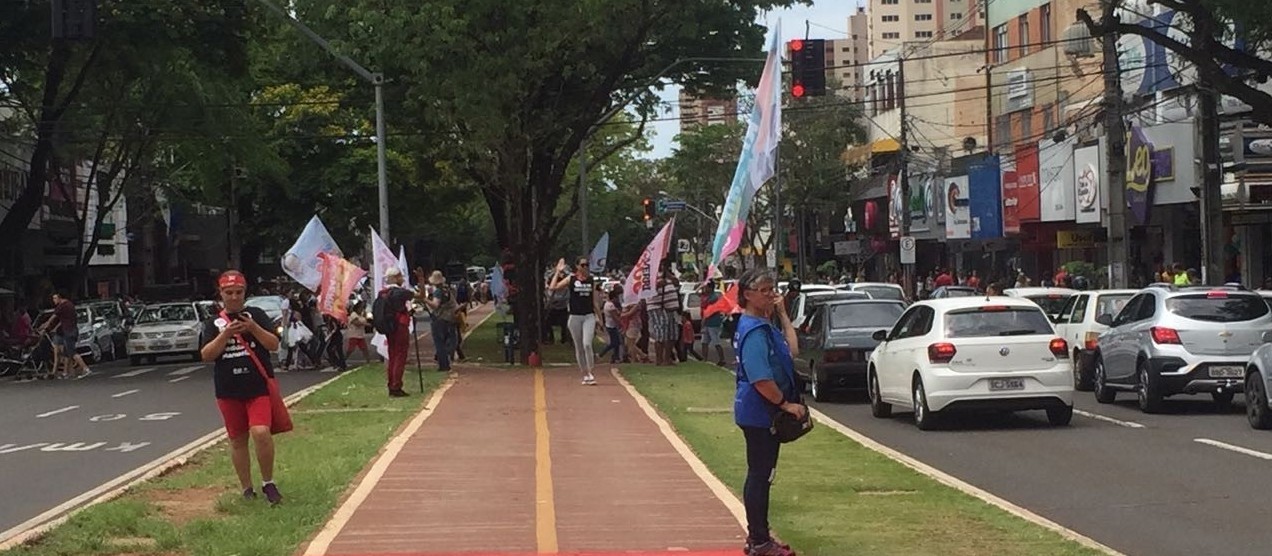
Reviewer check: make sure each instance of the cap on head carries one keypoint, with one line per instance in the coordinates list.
(231, 279)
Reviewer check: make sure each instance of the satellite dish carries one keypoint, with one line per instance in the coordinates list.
(969, 144)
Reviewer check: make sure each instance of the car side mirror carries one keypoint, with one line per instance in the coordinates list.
(1105, 319)
(99, 321)
(880, 335)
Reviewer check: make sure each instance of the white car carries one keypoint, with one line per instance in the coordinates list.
(996, 353)
(1051, 300)
(879, 290)
(165, 329)
(1077, 324)
(1258, 382)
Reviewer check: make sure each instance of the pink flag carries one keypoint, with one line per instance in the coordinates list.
(339, 278)
(640, 283)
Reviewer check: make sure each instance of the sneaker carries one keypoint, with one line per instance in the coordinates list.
(272, 494)
(85, 374)
(249, 494)
(770, 548)
(589, 380)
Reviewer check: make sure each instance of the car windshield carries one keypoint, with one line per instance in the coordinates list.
(81, 315)
(1218, 307)
(1111, 304)
(959, 292)
(692, 300)
(167, 313)
(881, 292)
(864, 315)
(107, 310)
(268, 303)
(987, 321)
(1052, 303)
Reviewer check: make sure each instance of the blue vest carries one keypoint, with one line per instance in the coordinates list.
(750, 409)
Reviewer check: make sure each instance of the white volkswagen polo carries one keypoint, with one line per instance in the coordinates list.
(971, 353)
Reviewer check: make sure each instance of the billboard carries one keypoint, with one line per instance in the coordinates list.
(1027, 207)
(1087, 181)
(1011, 199)
(1055, 173)
(958, 220)
(985, 201)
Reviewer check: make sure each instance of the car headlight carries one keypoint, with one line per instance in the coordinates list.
(185, 334)
(280, 330)
(134, 336)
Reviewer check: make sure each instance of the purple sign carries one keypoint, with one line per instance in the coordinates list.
(1139, 176)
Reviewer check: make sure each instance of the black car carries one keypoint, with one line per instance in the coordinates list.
(836, 343)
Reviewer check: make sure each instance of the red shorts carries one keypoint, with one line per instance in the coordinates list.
(239, 415)
(355, 342)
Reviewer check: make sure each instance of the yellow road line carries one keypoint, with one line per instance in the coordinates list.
(545, 507)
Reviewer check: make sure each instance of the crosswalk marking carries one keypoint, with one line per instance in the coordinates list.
(124, 393)
(56, 411)
(185, 371)
(180, 378)
(137, 372)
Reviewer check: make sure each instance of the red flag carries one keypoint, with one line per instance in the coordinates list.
(728, 304)
(339, 278)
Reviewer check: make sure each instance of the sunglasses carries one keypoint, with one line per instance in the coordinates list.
(582, 263)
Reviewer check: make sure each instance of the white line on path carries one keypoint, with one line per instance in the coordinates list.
(124, 393)
(1234, 448)
(179, 379)
(56, 411)
(184, 371)
(137, 372)
(1119, 422)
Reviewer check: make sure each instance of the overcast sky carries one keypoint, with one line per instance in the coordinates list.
(827, 19)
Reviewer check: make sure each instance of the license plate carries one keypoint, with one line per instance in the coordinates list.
(1227, 371)
(160, 345)
(1006, 384)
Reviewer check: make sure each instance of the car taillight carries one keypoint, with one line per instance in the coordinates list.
(1059, 348)
(941, 353)
(993, 308)
(1092, 341)
(1217, 295)
(836, 356)
(1163, 335)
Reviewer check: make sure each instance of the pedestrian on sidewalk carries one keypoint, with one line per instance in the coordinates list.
(712, 322)
(610, 312)
(239, 341)
(582, 321)
(686, 339)
(356, 332)
(765, 381)
(633, 327)
(444, 309)
(395, 307)
(664, 321)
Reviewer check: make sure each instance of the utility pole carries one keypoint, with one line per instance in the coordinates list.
(1115, 151)
(1210, 197)
(583, 194)
(903, 177)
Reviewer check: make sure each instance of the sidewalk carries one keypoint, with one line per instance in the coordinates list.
(520, 462)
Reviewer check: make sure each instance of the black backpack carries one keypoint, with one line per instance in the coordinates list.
(384, 311)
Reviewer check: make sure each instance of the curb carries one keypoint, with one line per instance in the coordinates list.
(32, 529)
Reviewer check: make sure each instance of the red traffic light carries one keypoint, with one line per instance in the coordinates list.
(797, 45)
(797, 90)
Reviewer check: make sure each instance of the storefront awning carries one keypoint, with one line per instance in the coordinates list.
(860, 154)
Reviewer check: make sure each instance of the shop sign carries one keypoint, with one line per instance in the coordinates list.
(1075, 239)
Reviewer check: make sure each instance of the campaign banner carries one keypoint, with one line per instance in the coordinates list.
(1011, 199)
(339, 278)
(640, 283)
(301, 262)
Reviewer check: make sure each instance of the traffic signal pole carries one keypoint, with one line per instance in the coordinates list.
(903, 177)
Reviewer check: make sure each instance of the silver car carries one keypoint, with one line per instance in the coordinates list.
(1180, 340)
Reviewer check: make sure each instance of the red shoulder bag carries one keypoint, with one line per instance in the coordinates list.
(280, 418)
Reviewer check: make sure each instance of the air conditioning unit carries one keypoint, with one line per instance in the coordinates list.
(1078, 42)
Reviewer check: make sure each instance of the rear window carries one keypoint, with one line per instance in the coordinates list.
(881, 292)
(1223, 307)
(1111, 304)
(865, 315)
(959, 292)
(1051, 303)
(822, 299)
(992, 321)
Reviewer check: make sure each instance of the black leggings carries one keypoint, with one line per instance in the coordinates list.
(761, 464)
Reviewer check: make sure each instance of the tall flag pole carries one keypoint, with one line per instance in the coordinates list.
(758, 160)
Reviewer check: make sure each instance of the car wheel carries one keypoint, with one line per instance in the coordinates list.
(1223, 401)
(1081, 378)
(111, 356)
(815, 386)
(134, 360)
(1256, 398)
(1060, 416)
(923, 417)
(197, 357)
(878, 407)
(1149, 392)
(1103, 393)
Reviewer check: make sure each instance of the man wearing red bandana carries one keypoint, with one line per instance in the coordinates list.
(239, 341)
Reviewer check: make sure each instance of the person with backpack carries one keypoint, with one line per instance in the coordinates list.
(444, 309)
(391, 316)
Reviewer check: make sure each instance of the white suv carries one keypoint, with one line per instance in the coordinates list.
(971, 353)
(1078, 324)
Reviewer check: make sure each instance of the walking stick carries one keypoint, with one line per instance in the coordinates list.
(419, 369)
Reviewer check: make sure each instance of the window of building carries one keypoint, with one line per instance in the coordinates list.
(1022, 26)
(923, 17)
(892, 35)
(1000, 43)
(956, 15)
(922, 1)
(922, 34)
(889, 2)
(889, 18)
(1044, 24)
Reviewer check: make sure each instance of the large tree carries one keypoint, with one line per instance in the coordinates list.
(511, 90)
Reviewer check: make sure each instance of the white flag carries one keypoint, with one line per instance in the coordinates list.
(598, 259)
(382, 259)
(401, 264)
(301, 262)
(644, 276)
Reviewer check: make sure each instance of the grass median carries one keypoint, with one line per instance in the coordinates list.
(485, 345)
(832, 495)
(197, 509)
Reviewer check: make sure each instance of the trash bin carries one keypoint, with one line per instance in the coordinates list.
(510, 337)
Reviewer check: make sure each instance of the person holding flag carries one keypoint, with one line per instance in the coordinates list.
(392, 316)
(713, 310)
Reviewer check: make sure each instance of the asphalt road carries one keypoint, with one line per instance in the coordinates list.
(63, 438)
(1195, 480)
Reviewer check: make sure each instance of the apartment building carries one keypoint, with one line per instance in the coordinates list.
(893, 22)
(699, 111)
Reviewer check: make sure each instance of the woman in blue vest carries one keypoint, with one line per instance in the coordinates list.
(765, 384)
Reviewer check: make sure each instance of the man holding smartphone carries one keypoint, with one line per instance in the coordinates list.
(239, 341)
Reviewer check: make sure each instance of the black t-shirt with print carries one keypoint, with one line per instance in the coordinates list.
(581, 295)
(234, 373)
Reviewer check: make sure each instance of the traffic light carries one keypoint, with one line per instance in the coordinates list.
(649, 208)
(808, 67)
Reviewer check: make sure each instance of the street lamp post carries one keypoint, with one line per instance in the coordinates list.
(376, 79)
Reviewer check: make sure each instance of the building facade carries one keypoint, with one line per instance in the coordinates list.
(699, 111)
(893, 22)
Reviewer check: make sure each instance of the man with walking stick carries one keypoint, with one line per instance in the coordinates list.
(391, 316)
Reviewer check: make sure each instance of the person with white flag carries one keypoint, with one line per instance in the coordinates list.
(644, 283)
(758, 161)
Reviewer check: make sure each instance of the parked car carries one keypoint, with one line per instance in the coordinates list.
(165, 329)
(1171, 340)
(95, 342)
(1077, 324)
(971, 354)
(950, 292)
(1258, 382)
(116, 321)
(837, 341)
(879, 290)
(1051, 300)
